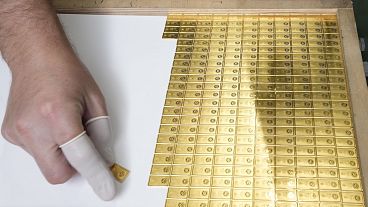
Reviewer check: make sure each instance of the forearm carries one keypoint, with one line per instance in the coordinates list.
(30, 31)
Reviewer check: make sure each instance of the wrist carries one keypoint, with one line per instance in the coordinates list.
(30, 33)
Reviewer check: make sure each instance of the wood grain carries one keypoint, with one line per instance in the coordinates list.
(162, 7)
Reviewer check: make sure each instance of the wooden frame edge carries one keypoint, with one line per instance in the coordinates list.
(162, 7)
(357, 87)
(165, 12)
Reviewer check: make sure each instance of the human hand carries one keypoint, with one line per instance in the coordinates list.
(52, 101)
(52, 97)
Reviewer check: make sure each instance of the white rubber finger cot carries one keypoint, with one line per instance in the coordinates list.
(100, 132)
(84, 157)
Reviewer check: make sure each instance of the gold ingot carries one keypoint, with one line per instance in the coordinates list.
(220, 193)
(350, 185)
(120, 173)
(175, 202)
(201, 181)
(328, 184)
(159, 180)
(199, 193)
(328, 172)
(183, 159)
(180, 193)
(242, 194)
(179, 181)
(202, 170)
(161, 170)
(181, 170)
(353, 197)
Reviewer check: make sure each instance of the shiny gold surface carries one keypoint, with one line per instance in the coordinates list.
(119, 172)
(257, 113)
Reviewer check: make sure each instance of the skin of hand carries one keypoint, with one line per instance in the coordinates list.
(52, 94)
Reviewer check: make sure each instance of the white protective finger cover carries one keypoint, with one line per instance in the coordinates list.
(100, 132)
(84, 157)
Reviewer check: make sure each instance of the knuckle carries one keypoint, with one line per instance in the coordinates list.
(97, 98)
(58, 110)
(9, 131)
(63, 114)
(51, 109)
(21, 128)
(5, 131)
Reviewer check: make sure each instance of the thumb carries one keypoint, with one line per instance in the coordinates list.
(83, 156)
